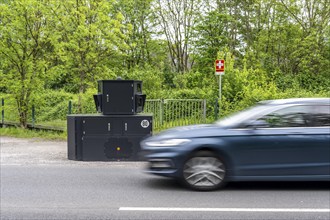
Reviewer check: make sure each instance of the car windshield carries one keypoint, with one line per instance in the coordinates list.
(242, 116)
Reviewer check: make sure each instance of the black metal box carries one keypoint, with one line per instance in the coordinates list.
(107, 137)
(119, 97)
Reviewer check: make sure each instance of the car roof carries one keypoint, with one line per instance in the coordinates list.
(297, 101)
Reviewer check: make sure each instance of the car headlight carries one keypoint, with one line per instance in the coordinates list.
(167, 143)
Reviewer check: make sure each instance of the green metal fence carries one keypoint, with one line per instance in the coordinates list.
(167, 113)
(9, 112)
(176, 112)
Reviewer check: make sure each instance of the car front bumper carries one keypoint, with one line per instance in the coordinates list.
(164, 162)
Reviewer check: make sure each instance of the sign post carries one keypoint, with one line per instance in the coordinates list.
(219, 70)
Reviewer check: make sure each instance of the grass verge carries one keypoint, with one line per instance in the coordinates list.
(26, 133)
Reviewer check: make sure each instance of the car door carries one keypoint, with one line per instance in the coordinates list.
(285, 143)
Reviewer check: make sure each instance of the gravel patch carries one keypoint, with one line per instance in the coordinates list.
(25, 152)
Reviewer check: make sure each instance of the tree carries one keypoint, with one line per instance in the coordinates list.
(216, 30)
(287, 39)
(139, 20)
(88, 35)
(313, 19)
(176, 19)
(23, 42)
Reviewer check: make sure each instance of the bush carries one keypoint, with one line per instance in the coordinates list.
(52, 105)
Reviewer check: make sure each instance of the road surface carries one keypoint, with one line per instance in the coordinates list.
(38, 182)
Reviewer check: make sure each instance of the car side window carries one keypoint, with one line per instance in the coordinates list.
(294, 116)
(321, 116)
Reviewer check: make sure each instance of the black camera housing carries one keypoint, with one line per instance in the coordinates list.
(119, 97)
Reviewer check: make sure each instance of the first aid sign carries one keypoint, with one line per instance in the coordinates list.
(220, 67)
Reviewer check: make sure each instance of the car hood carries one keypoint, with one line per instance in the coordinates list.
(192, 131)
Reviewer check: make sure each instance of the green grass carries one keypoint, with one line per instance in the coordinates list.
(55, 123)
(180, 122)
(26, 133)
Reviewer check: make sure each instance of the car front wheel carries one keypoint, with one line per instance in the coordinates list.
(204, 171)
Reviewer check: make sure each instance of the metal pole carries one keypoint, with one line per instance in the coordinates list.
(161, 112)
(216, 106)
(204, 111)
(220, 77)
(70, 107)
(219, 86)
(3, 111)
(33, 116)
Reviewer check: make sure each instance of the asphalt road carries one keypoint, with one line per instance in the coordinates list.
(38, 182)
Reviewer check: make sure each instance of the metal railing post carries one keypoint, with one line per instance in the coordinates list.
(3, 111)
(33, 116)
(161, 113)
(70, 107)
(204, 111)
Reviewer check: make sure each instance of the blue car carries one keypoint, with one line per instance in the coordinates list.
(276, 140)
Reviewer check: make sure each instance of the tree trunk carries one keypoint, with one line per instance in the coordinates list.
(80, 102)
(22, 111)
(23, 119)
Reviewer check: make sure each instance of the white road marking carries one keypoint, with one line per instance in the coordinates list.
(172, 209)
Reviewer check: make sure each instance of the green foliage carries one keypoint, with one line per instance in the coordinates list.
(55, 51)
(153, 80)
(139, 19)
(86, 34)
(51, 105)
(10, 108)
(24, 41)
